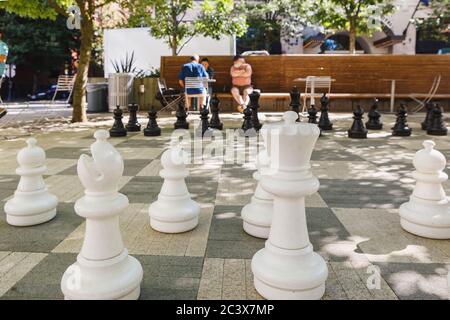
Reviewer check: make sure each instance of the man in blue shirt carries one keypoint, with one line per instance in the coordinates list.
(3, 56)
(190, 76)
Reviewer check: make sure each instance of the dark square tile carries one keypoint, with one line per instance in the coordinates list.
(131, 167)
(66, 152)
(8, 184)
(334, 155)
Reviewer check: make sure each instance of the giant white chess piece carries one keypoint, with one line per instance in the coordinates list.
(32, 203)
(257, 215)
(174, 211)
(103, 269)
(427, 213)
(287, 268)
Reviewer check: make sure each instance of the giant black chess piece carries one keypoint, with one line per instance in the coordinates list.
(401, 127)
(204, 122)
(374, 122)
(215, 122)
(247, 125)
(181, 115)
(254, 105)
(437, 127)
(118, 130)
(312, 115)
(324, 120)
(152, 129)
(429, 106)
(357, 130)
(133, 125)
(295, 101)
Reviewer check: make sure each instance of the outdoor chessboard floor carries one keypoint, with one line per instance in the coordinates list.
(353, 220)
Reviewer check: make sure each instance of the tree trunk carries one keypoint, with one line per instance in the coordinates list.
(79, 91)
(352, 38)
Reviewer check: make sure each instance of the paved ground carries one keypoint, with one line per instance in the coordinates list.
(353, 220)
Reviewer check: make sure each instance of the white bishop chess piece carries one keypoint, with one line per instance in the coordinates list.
(103, 270)
(427, 213)
(174, 211)
(287, 268)
(257, 215)
(32, 203)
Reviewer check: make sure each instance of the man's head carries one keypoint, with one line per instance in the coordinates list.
(205, 62)
(195, 58)
(238, 61)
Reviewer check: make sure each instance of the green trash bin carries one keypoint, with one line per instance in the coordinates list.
(97, 97)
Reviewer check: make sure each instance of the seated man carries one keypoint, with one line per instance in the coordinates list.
(193, 72)
(241, 75)
(3, 56)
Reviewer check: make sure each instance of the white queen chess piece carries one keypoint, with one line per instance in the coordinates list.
(174, 211)
(32, 203)
(427, 213)
(257, 215)
(287, 268)
(103, 270)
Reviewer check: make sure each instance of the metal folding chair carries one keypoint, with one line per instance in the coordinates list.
(169, 98)
(313, 83)
(434, 88)
(196, 83)
(65, 84)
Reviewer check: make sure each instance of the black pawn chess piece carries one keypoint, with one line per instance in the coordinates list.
(247, 125)
(152, 129)
(374, 122)
(401, 127)
(312, 115)
(118, 130)
(429, 106)
(324, 120)
(133, 125)
(438, 127)
(181, 115)
(295, 101)
(254, 106)
(357, 130)
(204, 122)
(215, 122)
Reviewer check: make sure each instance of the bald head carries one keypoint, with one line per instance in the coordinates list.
(195, 58)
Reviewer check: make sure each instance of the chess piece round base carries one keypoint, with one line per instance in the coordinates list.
(152, 132)
(429, 219)
(357, 135)
(133, 128)
(437, 132)
(29, 210)
(117, 133)
(174, 216)
(300, 276)
(257, 217)
(118, 278)
(326, 127)
(402, 133)
(374, 126)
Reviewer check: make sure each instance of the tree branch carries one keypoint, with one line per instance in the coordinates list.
(60, 10)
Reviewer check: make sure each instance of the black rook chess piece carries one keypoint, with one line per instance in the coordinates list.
(215, 122)
(254, 105)
(152, 129)
(312, 115)
(118, 130)
(358, 131)
(181, 115)
(374, 122)
(429, 106)
(133, 125)
(438, 127)
(401, 127)
(295, 101)
(324, 120)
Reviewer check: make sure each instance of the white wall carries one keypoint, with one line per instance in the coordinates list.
(148, 50)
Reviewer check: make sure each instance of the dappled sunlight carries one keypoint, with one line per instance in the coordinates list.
(227, 215)
(409, 282)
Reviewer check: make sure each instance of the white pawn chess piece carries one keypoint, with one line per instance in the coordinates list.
(287, 268)
(427, 213)
(174, 211)
(103, 270)
(257, 215)
(32, 203)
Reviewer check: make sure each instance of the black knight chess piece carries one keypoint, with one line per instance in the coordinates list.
(133, 125)
(437, 127)
(181, 115)
(374, 115)
(429, 106)
(254, 105)
(312, 115)
(324, 120)
(295, 101)
(152, 129)
(401, 127)
(118, 130)
(215, 122)
(357, 130)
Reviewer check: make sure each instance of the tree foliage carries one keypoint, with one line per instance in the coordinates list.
(431, 28)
